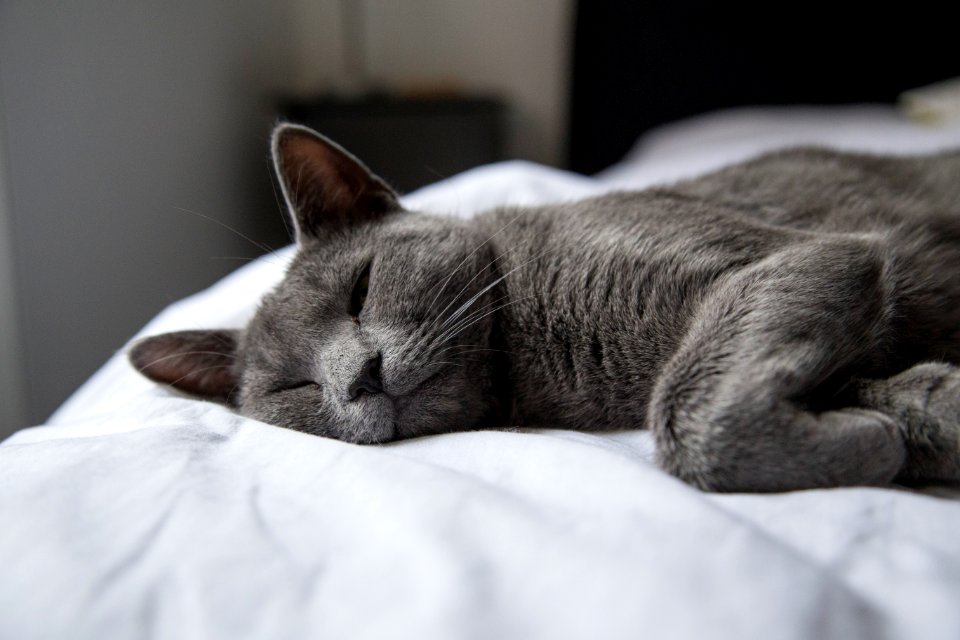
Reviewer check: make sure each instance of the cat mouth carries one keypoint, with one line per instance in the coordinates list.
(378, 418)
(409, 404)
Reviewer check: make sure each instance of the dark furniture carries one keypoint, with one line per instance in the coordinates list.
(408, 142)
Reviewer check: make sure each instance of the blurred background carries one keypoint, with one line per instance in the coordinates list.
(119, 119)
(133, 135)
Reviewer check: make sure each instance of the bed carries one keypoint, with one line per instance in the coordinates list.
(137, 512)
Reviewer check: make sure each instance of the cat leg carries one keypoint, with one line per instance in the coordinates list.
(733, 409)
(925, 402)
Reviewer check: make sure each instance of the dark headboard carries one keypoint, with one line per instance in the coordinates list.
(638, 64)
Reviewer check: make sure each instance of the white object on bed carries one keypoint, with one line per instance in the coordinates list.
(934, 103)
(140, 513)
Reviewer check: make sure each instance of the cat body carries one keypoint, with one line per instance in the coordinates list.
(789, 322)
(613, 283)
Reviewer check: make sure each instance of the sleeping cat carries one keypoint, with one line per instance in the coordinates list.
(790, 322)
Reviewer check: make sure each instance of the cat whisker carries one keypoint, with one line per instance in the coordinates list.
(477, 296)
(465, 287)
(469, 282)
(475, 347)
(270, 258)
(460, 353)
(414, 335)
(465, 362)
(188, 353)
(437, 174)
(465, 307)
(195, 371)
(280, 207)
(473, 314)
(439, 362)
(473, 319)
(259, 245)
(296, 186)
(464, 261)
(240, 258)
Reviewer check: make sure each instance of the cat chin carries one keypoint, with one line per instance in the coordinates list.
(376, 431)
(380, 434)
(370, 419)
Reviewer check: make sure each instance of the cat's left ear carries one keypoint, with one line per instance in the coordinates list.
(202, 363)
(325, 187)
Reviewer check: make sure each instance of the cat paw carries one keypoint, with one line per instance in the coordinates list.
(925, 401)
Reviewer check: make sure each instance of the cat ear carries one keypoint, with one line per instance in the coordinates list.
(197, 362)
(325, 187)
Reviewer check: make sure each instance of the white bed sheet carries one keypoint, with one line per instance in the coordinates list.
(139, 513)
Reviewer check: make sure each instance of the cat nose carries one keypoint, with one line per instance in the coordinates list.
(368, 380)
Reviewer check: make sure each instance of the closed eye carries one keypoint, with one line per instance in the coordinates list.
(295, 385)
(358, 297)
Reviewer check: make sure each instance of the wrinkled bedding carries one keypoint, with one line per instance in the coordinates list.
(136, 512)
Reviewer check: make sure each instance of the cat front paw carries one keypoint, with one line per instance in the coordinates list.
(925, 401)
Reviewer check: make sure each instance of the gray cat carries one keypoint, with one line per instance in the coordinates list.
(790, 322)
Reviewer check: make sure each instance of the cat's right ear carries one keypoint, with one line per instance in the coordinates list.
(200, 363)
(325, 187)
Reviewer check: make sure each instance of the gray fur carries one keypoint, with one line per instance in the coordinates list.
(786, 323)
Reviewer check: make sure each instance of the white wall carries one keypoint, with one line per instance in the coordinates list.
(12, 400)
(516, 49)
(115, 115)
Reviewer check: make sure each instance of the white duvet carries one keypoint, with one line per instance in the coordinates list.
(139, 513)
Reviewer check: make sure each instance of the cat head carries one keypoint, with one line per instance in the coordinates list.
(379, 328)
